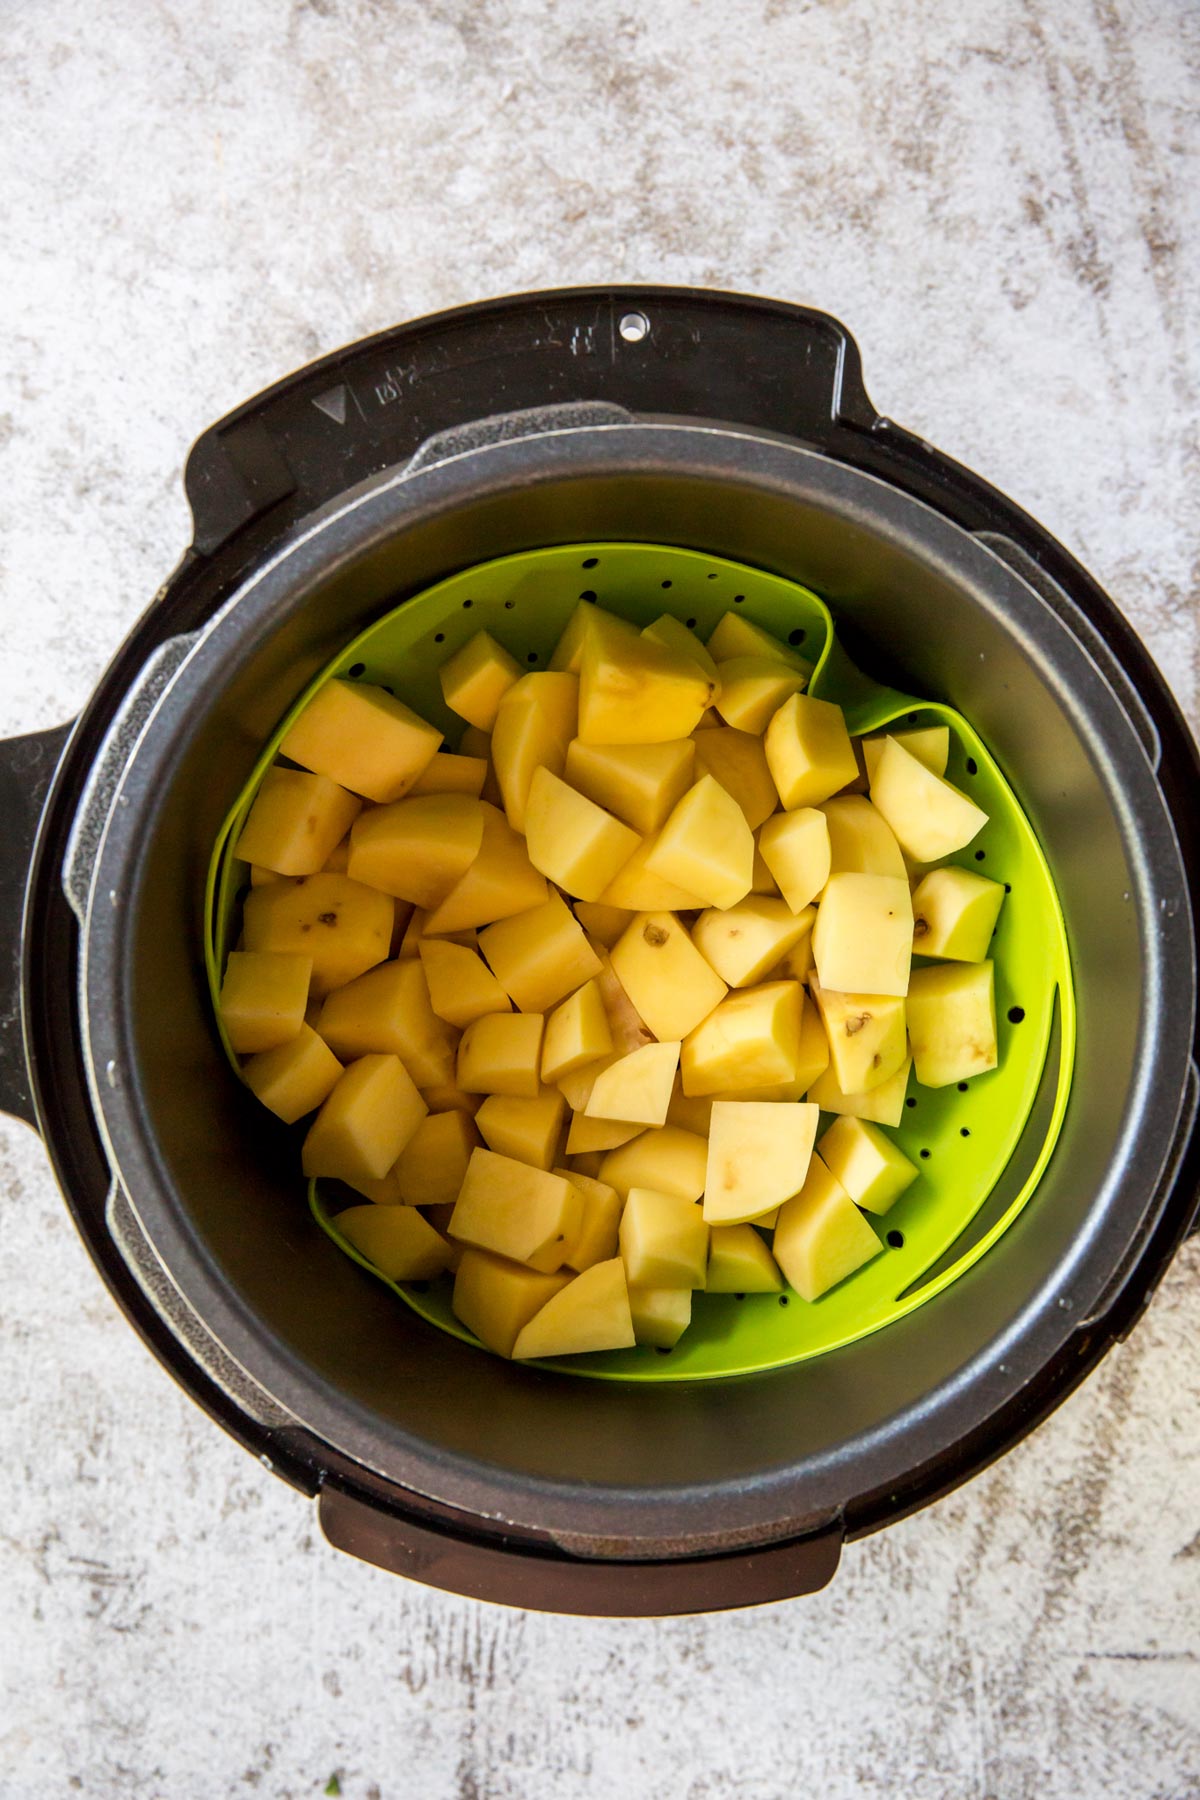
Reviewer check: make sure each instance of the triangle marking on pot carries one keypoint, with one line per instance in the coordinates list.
(333, 403)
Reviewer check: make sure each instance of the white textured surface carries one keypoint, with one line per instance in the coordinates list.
(1001, 199)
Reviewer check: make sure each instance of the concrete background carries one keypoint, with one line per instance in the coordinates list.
(1001, 199)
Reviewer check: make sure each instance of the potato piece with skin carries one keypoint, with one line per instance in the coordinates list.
(450, 774)
(634, 889)
(952, 1022)
(706, 846)
(866, 1033)
(673, 634)
(597, 1239)
(671, 986)
(670, 1160)
(496, 1298)
(736, 635)
(955, 913)
(589, 623)
(343, 927)
(577, 1033)
(418, 849)
(295, 821)
(585, 1135)
(796, 849)
(636, 1089)
(388, 1010)
(663, 1240)
(873, 1170)
(929, 817)
(751, 1040)
(862, 939)
(883, 1105)
(860, 840)
(809, 751)
(294, 1078)
(820, 1236)
(744, 942)
(603, 923)
(529, 1131)
(590, 1313)
(930, 744)
(740, 1263)
(660, 1315)
(500, 882)
(461, 986)
(540, 956)
(626, 1024)
(263, 997)
(501, 1054)
(636, 692)
(476, 678)
(366, 1121)
(362, 738)
(753, 688)
(758, 1155)
(639, 783)
(396, 1240)
(572, 840)
(534, 725)
(738, 761)
(518, 1211)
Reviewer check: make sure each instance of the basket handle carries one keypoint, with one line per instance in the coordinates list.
(27, 766)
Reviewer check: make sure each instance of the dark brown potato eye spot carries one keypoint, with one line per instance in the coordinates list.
(855, 1024)
(875, 1061)
(306, 926)
(327, 918)
(655, 936)
(920, 927)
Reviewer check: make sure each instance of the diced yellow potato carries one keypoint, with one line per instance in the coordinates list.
(952, 1022)
(873, 1170)
(640, 783)
(527, 1130)
(667, 980)
(496, 1298)
(586, 1134)
(366, 1121)
(447, 1096)
(603, 923)
(589, 623)
(688, 1112)
(758, 1154)
(762, 881)
(540, 956)
(740, 1263)
(388, 1010)
(663, 1239)
(736, 635)
(572, 840)
(363, 738)
(752, 1039)
(501, 881)
(577, 1033)
(476, 678)
(738, 761)
(798, 962)
(809, 751)
(342, 926)
(418, 849)
(883, 1105)
(710, 720)
(461, 986)
(501, 1054)
(795, 847)
(516, 1210)
(706, 846)
(590, 1313)
(338, 860)
(636, 1089)
(670, 1160)
(587, 1163)
(955, 913)
(263, 997)
(261, 877)
(577, 1086)
(930, 818)
(673, 634)
(930, 744)
(597, 1239)
(294, 1078)
(414, 932)
(860, 840)
(396, 1240)
(633, 691)
(449, 774)
(635, 889)
(295, 822)
(476, 743)
(432, 1166)
(660, 1315)
(862, 940)
(820, 1235)
(866, 1033)
(535, 724)
(745, 941)
(753, 688)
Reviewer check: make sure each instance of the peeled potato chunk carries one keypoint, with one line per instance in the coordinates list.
(263, 997)
(476, 678)
(740, 1263)
(602, 923)
(751, 1039)
(706, 846)
(534, 725)
(296, 821)
(639, 783)
(955, 913)
(745, 942)
(809, 751)
(589, 624)
(669, 1159)
(577, 1033)
(449, 774)
(670, 984)
(501, 881)
(660, 1315)
(496, 1298)
(930, 818)
(753, 688)
(294, 1078)
(873, 1170)
(738, 761)
(501, 1054)
(588, 1135)
(820, 1235)
(396, 1240)
(366, 1121)
(861, 842)
(862, 939)
(344, 927)
(637, 1087)
(884, 1105)
(930, 744)
(572, 840)
(673, 634)
(540, 956)
(515, 1210)
(736, 635)
(461, 986)
(388, 1009)
(635, 889)
(417, 849)
(866, 1034)
(663, 1239)
(597, 1238)
(796, 849)
(432, 1165)
(362, 738)
(528, 1130)
(634, 691)
(758, 1155)
(952, 1022)
(590, 1313)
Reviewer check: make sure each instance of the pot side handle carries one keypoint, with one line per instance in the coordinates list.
(27, 766)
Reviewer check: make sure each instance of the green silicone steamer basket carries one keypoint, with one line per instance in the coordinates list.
(980, 1147)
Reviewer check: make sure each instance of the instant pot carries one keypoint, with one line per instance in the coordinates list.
(732, 425)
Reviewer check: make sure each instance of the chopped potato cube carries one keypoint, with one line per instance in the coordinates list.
(296, 821)
(758, 1155)
(476, 678)
(362, 738)
(590, 1313)
(671, 1160)
(706, 846)
(366, 1121)
(660, 1315)
(634, 691)
(809, 751)
(955, 913)
(635, 889)
(540, 956)
(518, 1211)
(461, 986)
(753, 688)
(500, 882)
(526, 1129)
(637, 1087)
(873, 1170)
(447, 1096)
(667, 980)
(501, 1054)
(688, 1112)
(577, 1033)
(496, 1298)
(449, 774)
(744, 942)
(396, 1240)
(572, 840)
(293, 1078)
(930, 818)
(597, 1240)
(388, 1009)
(752, 1039)
(263, 997)
(952, 1022)
(862, 940)
(673, 634)
(795, 847)
(820, 1236)
(586, 1134)
(736, 635)
(628, 1027)
(738, 761)
(884, 1105)
(433, 1164)
(930, 744)
(639, 783)
(663, 1239)
(344, 927)
(866, 1033)
(535, 724)
(589, 623)
(603, 923)
(740, 1263)
(418, 849)
(762, 881)
(861, 842)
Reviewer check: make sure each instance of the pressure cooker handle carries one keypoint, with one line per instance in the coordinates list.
(27, 766)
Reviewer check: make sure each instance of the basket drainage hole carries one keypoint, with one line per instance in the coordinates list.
(1008, 887)
(439, 637)
(911, 1101)
(532, 657)
(979, 855)
(972, 766)
(588, 594)
(666, 584)
(355, 670)
(896, 1240)
(783, 1299)
(798, 636)
(663, 1349)
(925, 1155)
(634, 327)
(712, 575)
(589, 562)
(962, 1087)
(964, 1131)
(691, 624)
(467, 603)
(508, 605)
(1015, 1014)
